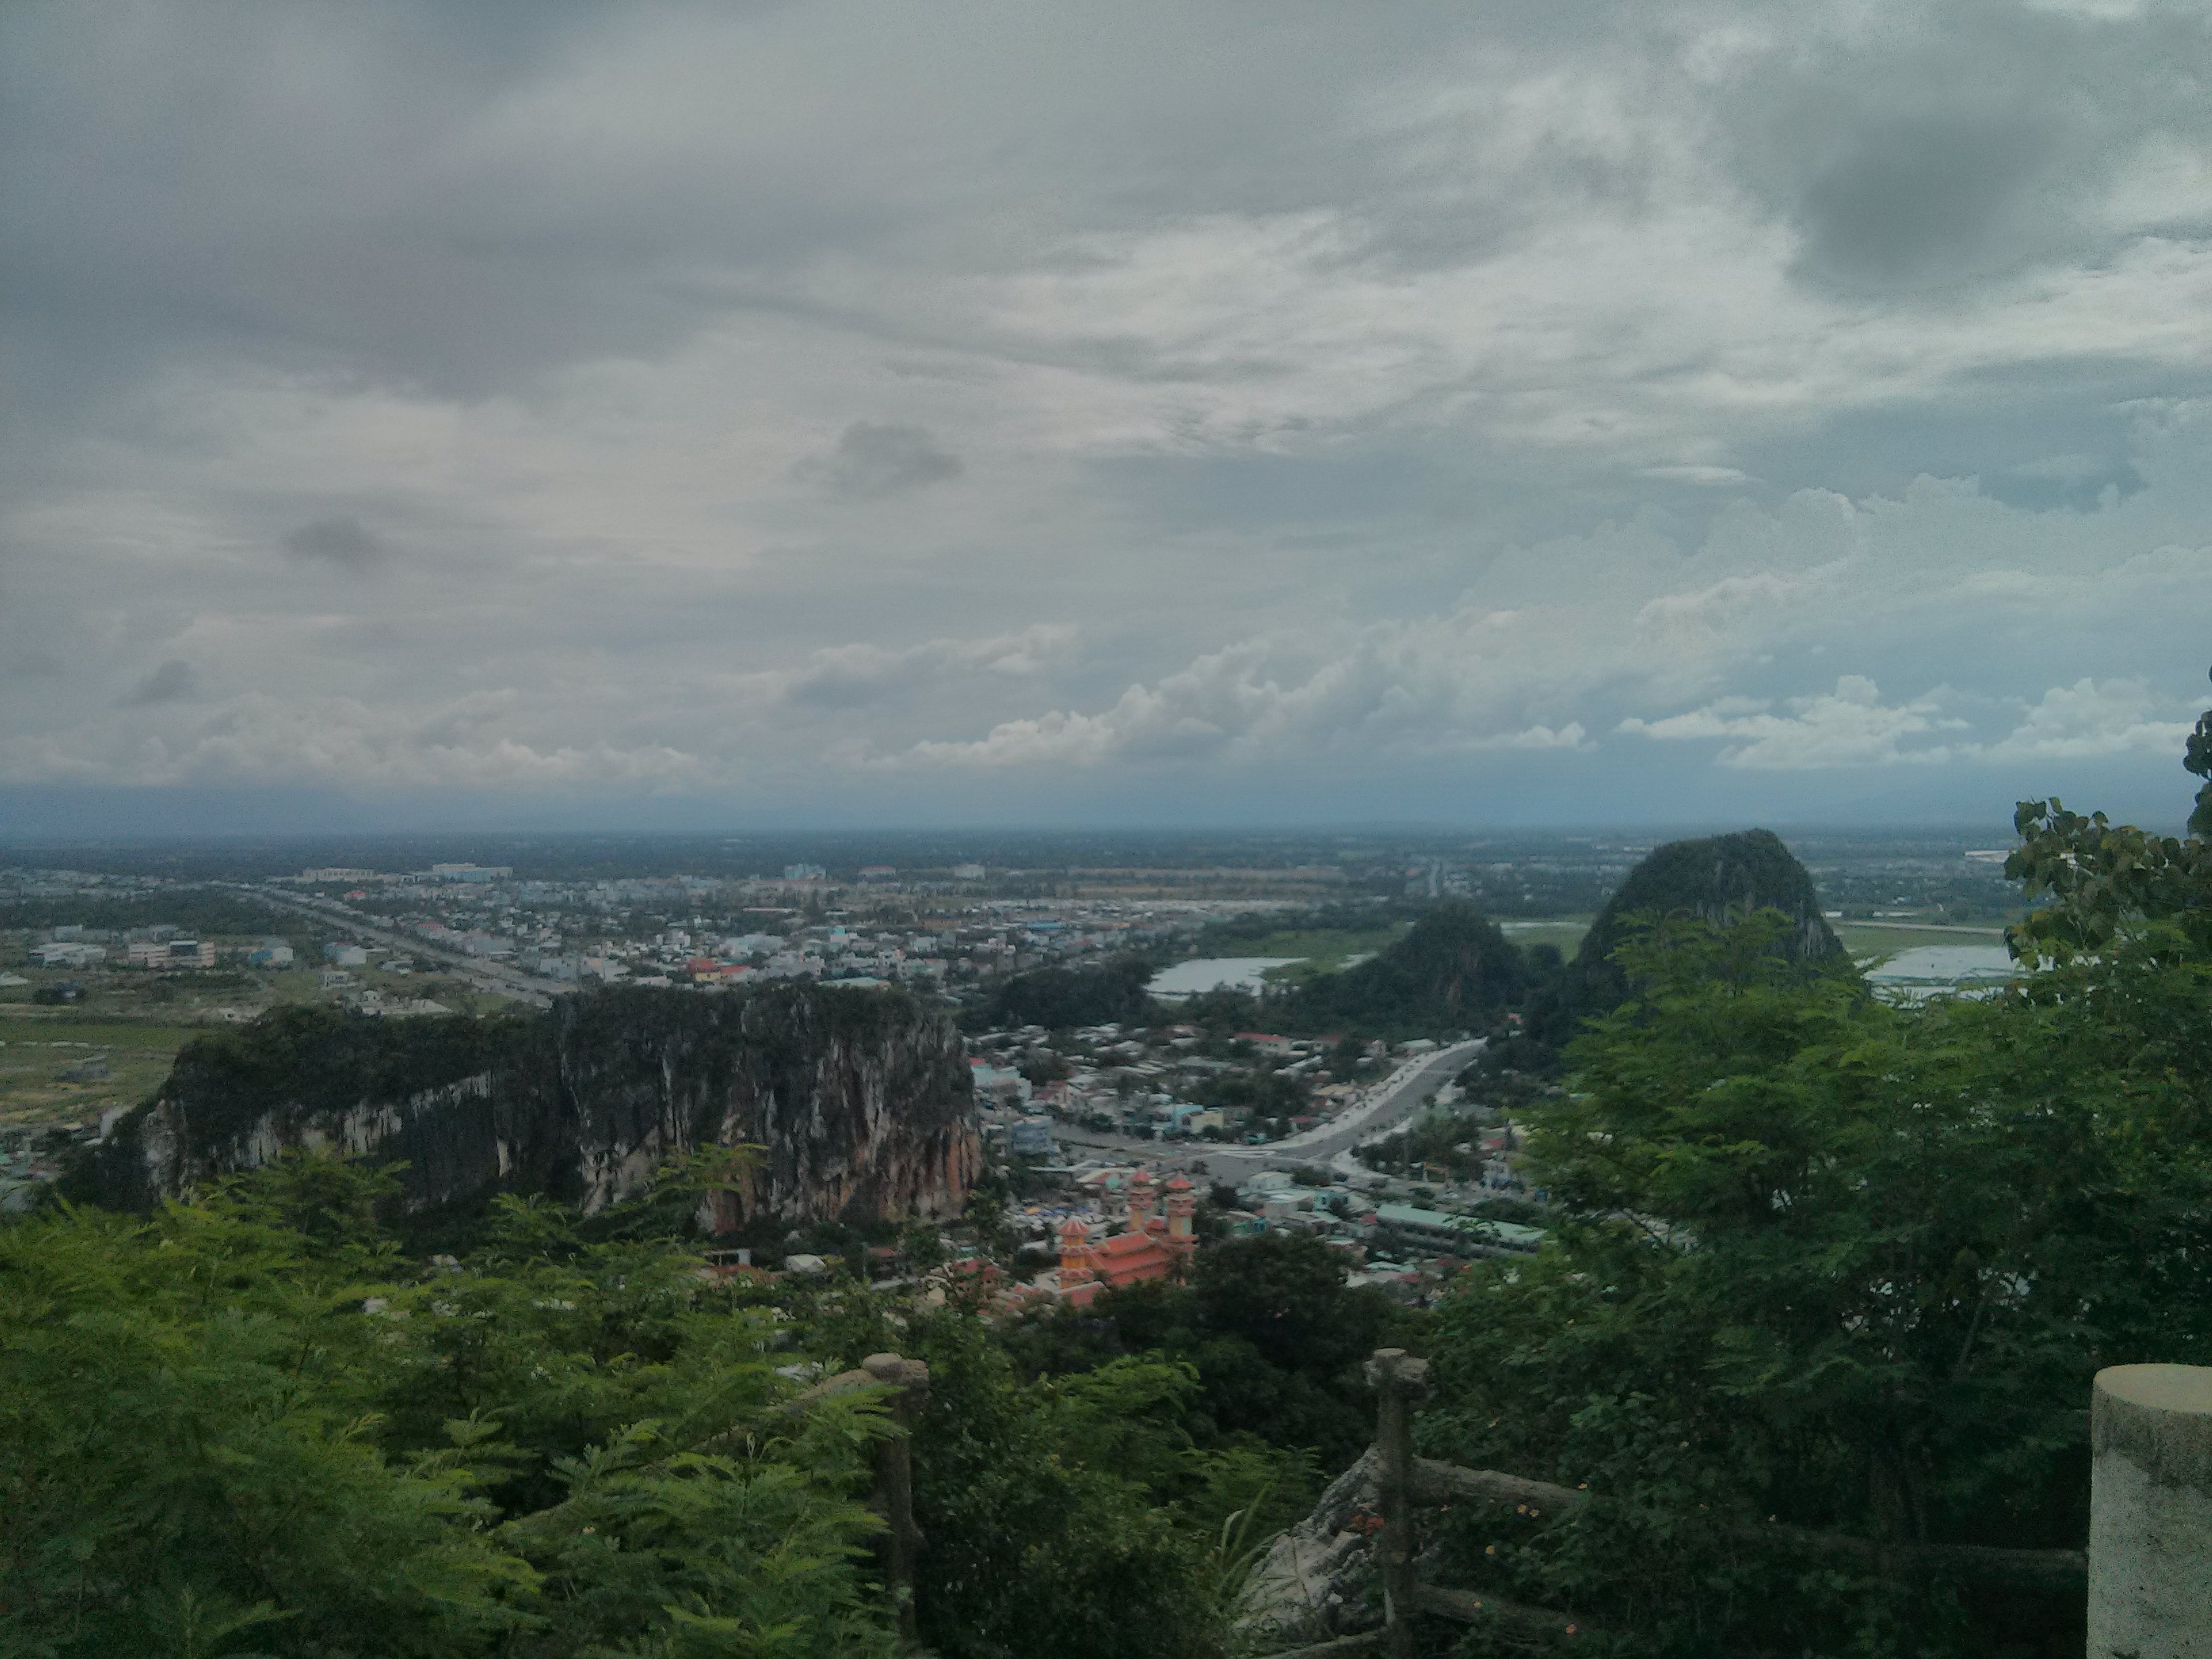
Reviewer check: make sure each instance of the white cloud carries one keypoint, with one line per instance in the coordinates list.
(1852, 726)
(2088, 720)
(343, 742)
(667, 397)
(1448, 685)
(1848, 726)
(854, 676)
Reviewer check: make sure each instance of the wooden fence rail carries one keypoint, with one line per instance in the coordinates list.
(1407, 1482)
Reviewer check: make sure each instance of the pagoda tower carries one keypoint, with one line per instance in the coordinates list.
(1074, 1254)
(1181, 1208)
(1141, 1201)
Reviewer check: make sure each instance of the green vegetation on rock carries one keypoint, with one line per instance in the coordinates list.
(1106, 994)
(1453, 970)
(1719, 880)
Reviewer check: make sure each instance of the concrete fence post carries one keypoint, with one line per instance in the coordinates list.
(909, 1381)
(2150, 1513)
(1401, 1383)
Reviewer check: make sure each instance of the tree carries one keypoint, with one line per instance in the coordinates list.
(244, 1424)
(1275, 1337)
(1849, 1266)
(2107, 881)
(1111, 992)
(1040, 1541)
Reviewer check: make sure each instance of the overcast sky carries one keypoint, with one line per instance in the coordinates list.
(560, 413)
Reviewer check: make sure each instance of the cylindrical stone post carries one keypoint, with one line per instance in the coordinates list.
(1401, 1381)
(2150, 1513)
(908, 1379)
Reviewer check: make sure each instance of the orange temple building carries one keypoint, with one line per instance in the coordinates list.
(1155, 1246)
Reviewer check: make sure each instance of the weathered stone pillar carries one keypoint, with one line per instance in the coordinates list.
(2150, 1513)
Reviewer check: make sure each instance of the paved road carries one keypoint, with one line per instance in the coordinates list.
(490, 974)
(1391, 1104)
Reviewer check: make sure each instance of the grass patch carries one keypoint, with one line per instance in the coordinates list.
(34, 1052)
(1319, 950)
(1880, 938)
(1565, 931)
(43, 1028)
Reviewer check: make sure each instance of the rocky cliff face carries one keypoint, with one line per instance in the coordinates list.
(859, 1100)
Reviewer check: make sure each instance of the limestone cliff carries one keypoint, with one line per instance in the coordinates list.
(859, 1100)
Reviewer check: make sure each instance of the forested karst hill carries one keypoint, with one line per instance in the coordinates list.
(1716, 879)
(861, 1100)
(1453, 970)
(1097, 994)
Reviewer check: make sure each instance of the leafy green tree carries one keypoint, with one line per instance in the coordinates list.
(1111, 992)
(1842, 1264)
(241, 1425)
(1040, 1542)
(1269, 1328)
(2108, 882)
(188, 1461)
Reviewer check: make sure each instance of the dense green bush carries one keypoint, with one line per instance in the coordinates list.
(240, 1426)
(246, 1424)
(1271, 1333)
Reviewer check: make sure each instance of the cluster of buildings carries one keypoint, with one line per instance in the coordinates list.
(158, 947)
(697, 931)
(1109, 1226)
(1177, 1082)
(338, 875)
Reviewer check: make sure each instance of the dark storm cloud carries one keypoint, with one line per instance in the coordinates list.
(368, 189)
(1962, 143)
(340, 541)
(1935, 198)
(171, 682)
(2081, 484)
(870, 462)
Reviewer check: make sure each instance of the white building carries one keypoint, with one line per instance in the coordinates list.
(69, 953)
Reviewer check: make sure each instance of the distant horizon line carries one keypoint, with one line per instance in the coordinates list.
(1677, 830)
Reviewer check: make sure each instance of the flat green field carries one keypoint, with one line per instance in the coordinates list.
(34, 1051)
(1319, 950)
(1566, 932)
(1880, 938)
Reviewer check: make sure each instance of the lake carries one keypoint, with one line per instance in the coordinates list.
(1215, 973)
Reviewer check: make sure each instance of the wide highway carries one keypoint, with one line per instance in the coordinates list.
(488, 975)
(1387, 1106)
